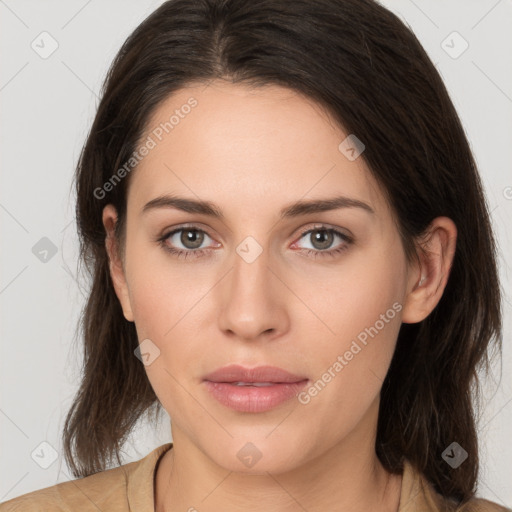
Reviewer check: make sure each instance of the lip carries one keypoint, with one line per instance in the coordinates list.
(282, 387)
(238, 373)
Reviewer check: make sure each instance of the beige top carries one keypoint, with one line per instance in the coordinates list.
(130, 487)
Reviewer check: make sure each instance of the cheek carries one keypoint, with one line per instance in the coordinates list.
(354, 294)
(164, 313)
(168, 310)
(160, 292)
(349, 369)
(359, 309)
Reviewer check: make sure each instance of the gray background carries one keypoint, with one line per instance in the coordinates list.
(48, 105)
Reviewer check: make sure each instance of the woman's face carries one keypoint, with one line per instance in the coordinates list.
(253, 287)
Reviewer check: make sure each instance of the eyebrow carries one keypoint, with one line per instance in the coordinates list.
(293, 210)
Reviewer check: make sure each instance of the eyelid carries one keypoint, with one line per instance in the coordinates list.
(196, 227)
(326, 227)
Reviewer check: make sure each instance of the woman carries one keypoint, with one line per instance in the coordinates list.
(291, 254)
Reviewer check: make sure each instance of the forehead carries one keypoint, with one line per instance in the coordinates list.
(244, 146)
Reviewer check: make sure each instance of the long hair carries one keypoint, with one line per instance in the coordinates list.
(368, 70)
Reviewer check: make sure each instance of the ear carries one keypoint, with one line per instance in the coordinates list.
(117, 272)
(428, 280)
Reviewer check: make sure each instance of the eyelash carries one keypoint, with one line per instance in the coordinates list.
(196, 253)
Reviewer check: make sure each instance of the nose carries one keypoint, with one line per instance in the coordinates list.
(253, 298)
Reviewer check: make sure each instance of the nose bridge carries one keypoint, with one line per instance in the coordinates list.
(250, 265)
(251, 299)
(250, 279)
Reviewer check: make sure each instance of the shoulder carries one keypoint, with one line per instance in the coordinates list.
(121, 489)
(418, 494)
(105, 490)
(481, 505)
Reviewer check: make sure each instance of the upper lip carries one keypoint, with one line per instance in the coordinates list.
(237, 373)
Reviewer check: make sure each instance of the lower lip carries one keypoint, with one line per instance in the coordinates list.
(252, 398)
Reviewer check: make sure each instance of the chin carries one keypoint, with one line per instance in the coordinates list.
(257, 454)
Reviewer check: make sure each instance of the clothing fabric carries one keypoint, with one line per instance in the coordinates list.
(130, 487)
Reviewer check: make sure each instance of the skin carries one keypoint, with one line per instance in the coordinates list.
(251, 152)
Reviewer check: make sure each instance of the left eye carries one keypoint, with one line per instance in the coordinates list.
(324, 237)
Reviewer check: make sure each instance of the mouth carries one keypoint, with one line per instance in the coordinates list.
(257, 384)
(253, 390)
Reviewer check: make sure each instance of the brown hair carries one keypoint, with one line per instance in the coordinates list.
(360, 62)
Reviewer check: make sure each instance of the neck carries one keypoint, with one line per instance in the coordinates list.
(349, 476)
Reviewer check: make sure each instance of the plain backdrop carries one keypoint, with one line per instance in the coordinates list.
(48, 105)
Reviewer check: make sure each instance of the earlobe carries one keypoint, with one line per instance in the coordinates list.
(117, 272)
(428, 279)
(416, 306)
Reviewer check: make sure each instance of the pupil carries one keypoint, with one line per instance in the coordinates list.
(326, 236)
(191, 236)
